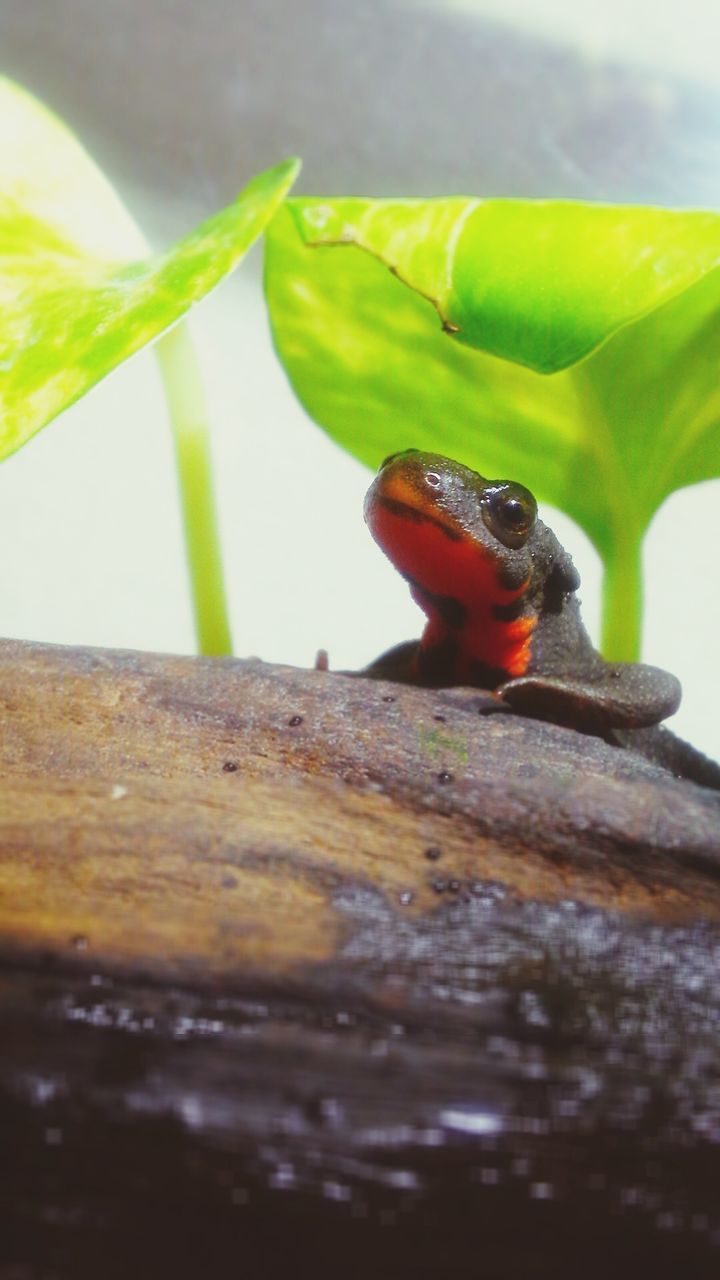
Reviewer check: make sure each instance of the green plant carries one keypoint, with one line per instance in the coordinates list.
(81, 293)
(573, 347)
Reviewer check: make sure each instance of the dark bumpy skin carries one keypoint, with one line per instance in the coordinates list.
(499, 594)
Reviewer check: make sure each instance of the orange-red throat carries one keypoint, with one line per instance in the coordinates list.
(454, 577)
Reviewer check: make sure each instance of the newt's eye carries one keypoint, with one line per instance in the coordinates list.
(433, 479)
(509, 511)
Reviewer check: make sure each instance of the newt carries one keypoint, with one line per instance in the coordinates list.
(500, 596)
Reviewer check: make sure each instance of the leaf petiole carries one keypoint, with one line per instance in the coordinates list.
(188, 416)
(622, 597)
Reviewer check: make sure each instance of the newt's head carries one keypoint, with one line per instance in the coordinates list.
(474, 553)
(448, 529)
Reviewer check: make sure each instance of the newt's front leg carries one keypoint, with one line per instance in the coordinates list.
(623, 695)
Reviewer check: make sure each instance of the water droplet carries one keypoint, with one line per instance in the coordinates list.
(283, 1178)
(402, 1180)
(192, 1111)
(331, 1111)
(542, 1191)
(336, 1191)
(406, 898)
(468, 1121)
(43, 1090)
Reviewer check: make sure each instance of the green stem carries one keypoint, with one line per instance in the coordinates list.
(622, 598)
(188, 416)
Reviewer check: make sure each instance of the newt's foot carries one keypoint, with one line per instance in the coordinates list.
(398, 664)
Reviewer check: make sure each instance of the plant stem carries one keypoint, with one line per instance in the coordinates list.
(622, 598)
(188, 416)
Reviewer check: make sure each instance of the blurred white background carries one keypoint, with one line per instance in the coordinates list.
(182, 104)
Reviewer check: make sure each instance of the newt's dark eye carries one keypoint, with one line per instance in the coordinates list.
(433, 479)
(509, 511)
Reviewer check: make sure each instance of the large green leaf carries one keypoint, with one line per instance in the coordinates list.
(80, 290)
(572, 347)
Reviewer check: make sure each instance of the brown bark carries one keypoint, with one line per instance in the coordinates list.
(288, 952)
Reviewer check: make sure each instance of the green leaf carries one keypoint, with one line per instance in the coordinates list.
(80, 290)
(573, 347)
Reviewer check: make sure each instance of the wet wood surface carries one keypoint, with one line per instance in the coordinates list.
(301, 965)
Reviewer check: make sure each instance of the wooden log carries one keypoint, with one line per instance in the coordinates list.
(301, 965)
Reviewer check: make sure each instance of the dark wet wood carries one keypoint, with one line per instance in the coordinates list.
(296, 965)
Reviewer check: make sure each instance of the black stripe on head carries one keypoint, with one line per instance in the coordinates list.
(407, 512)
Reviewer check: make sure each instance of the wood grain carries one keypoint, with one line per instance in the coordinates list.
(290, 949)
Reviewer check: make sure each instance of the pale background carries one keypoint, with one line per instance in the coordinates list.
(182, 102)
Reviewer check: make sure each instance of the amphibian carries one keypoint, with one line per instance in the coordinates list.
(499, 592)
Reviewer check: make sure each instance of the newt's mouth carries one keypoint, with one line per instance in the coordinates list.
(399, 497)
(429, 547)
